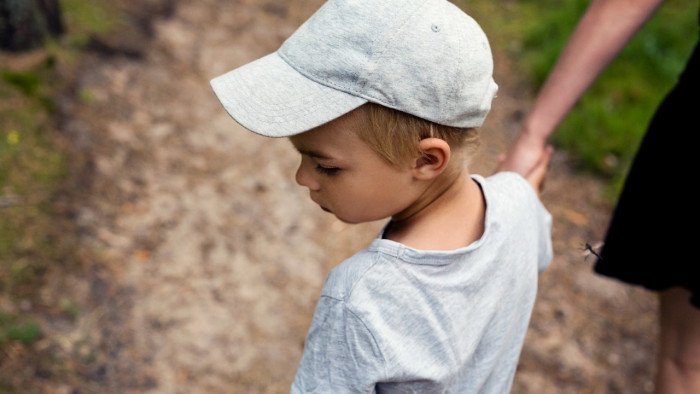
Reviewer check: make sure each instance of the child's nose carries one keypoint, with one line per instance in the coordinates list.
(304, 176)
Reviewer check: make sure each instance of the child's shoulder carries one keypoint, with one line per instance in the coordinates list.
(504, 178)
(509, 196)
(344, 277)
(507, 184)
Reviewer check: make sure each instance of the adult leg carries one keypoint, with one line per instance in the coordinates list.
(678, 364)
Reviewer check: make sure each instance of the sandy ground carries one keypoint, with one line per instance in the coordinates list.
(203, 259)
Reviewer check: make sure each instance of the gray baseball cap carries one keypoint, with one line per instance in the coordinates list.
(423, 57)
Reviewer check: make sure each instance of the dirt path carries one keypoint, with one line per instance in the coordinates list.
(206, 260)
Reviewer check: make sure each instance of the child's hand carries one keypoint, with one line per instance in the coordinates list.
(537, 174)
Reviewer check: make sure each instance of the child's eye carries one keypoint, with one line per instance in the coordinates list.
(330, 171)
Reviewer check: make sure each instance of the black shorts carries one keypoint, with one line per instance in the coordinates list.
(653, 238)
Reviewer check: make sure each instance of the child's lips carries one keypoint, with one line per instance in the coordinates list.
(319, 204)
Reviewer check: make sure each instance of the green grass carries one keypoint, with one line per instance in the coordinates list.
(36, 246)
(14, 329)
(604, 130)
(87, 18)
(33, 167)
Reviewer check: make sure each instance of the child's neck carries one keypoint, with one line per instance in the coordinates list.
(449, 215)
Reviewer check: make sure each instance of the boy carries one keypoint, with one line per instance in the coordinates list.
(381, 99)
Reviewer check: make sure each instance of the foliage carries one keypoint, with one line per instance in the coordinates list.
(31, 168)
(15, 329)
(34, 165)
(605, 128)
(86, 18)
(26, 24)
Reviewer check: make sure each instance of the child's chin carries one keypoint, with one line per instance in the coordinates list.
(349, 221)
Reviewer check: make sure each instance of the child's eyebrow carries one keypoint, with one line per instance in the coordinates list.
(312, 153)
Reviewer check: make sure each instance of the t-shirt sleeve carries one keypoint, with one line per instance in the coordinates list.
(544, 219)
(537, 214)
(340, 353)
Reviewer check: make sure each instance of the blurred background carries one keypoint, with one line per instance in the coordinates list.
(148, 244)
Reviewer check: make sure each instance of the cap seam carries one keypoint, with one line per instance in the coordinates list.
(363, 80)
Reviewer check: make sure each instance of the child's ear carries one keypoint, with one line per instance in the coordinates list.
(435, 154)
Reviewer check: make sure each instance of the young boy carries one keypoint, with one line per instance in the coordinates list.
(382, 99)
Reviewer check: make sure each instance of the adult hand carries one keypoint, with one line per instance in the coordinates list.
(525, 155)
(537, 172)
(602, 33)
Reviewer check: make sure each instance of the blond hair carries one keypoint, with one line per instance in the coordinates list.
(395, 135)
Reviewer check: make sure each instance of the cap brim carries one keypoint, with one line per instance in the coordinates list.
(270, 98)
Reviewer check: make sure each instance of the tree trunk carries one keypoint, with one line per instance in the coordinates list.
(25, 24)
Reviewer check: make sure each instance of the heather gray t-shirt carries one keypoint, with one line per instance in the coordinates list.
(392, 319)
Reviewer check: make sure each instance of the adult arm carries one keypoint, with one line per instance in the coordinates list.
(604, 30)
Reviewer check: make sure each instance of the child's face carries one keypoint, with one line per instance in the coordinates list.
(347, 178)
